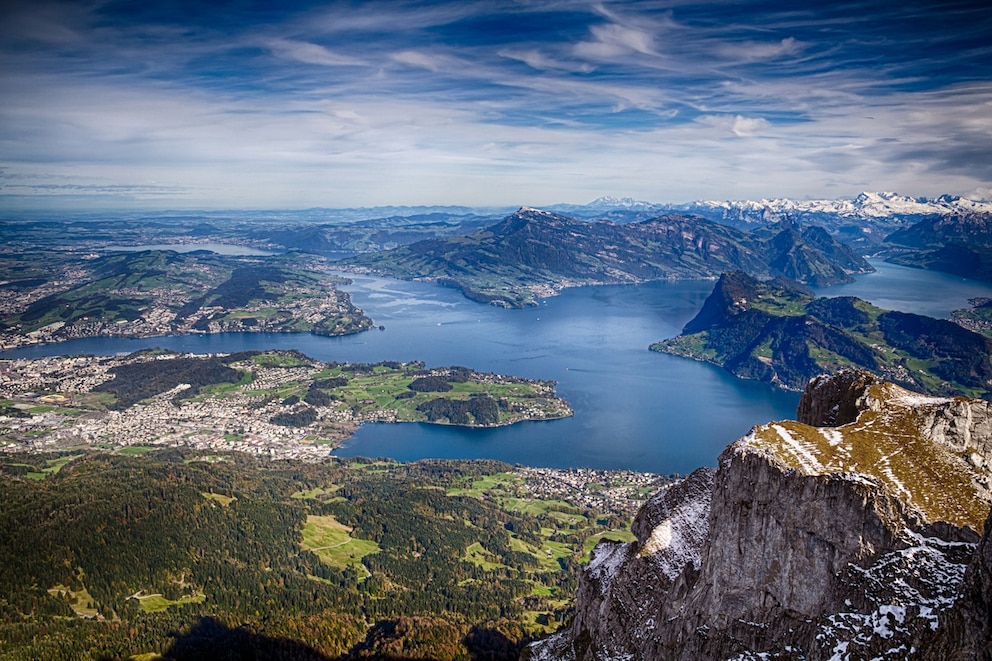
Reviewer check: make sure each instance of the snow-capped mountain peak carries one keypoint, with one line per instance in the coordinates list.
(867, 205)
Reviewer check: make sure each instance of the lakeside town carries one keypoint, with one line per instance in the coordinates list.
(49, 404)
(54, 404)
(271, 406)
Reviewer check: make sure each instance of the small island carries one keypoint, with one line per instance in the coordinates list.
(275, 403)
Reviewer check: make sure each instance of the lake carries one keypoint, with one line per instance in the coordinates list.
(634, 408)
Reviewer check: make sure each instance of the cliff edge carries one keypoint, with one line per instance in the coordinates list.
(852, 532)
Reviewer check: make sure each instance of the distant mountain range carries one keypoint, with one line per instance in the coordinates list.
(865, 206)
(536, 253)
(863, 222)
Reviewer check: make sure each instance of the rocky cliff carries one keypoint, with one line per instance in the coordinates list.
(851, 540)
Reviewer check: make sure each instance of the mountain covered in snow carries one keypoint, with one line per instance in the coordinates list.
(864, 206)
(867, 205)
(863, 221)
(852, 532)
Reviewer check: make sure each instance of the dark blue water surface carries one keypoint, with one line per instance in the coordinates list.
(633, 408)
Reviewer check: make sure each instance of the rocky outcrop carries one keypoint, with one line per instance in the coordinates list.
(670, 530)
(832, 401)
(815, 542)
(965, 633)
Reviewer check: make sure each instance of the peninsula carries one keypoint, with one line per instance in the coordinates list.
(779, 332)
(275, 403)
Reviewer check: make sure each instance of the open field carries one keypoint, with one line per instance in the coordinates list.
(330, 540)
(155, 603)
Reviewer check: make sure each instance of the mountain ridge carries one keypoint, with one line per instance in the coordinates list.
(535, 253)
(802, 548)
(781, 333)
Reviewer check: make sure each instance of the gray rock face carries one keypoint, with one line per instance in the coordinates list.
(832, 401)
(621, 578)
(780, 553)
(966, 633)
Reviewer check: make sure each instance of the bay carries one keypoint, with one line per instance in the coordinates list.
(634, 409)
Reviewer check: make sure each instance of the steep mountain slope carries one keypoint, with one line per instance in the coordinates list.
(808, 542)
(780, 333)
(965, 228)
(536, 253)
(960, 244)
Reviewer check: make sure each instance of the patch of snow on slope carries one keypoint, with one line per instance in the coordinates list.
(912, 399)
(834, 437)
(885, 468)
(607, 558)
(800, 450)
(557, 647)
(904, 589)
(676, 541)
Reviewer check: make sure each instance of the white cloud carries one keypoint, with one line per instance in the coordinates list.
(613, 41)
(430, 61)
(979, 194)
(535, 59)
(742, 127)
(755, 51)
(309, 53)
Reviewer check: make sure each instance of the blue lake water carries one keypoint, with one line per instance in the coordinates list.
(634, 408)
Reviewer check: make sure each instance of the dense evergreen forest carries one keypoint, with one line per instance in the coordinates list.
(189, 555)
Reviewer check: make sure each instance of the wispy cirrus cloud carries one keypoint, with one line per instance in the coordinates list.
(309, 53)
(352, 104)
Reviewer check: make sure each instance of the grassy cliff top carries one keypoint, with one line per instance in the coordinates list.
(890, 445)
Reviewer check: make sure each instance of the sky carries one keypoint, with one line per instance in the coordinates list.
(298, 104)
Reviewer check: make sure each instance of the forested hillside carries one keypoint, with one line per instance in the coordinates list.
(781, 333)
(185, 554)
(960, 244)
(535, 253)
